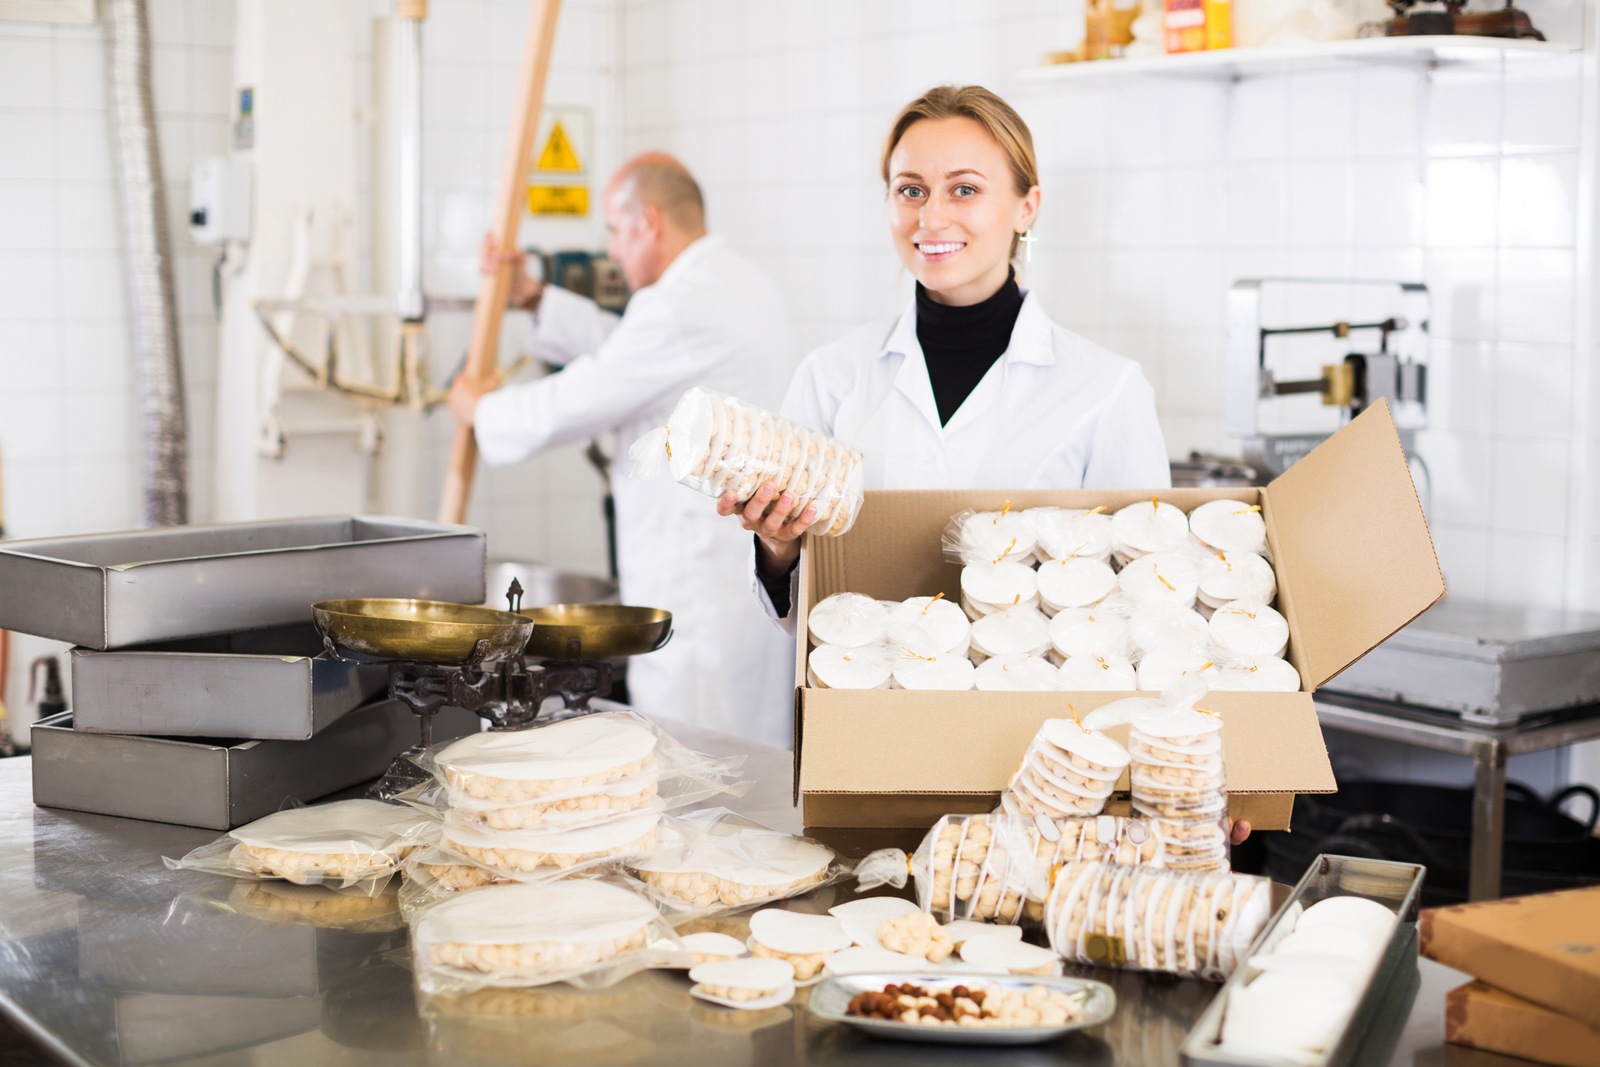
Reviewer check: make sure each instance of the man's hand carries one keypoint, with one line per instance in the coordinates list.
(525, 292)
(465, 392)
(1238, 831)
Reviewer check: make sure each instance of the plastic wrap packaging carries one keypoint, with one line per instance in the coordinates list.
(716, 444)
(1018, 631)
(1166, 667)
(803, 941)
(533, 855)
(836, 667)
(589, 932)
(324, 906)
(1066, 533)
(988, 586)
(1101, 631)
(945, 626)
(1073, 582)
(713, 860)
(948, 671)
(1017, 674)
(1067, 771)
(1228, 576)
(346, 843)
(1154, 627)
(990, 537)
(1090, 674)
(579, 764)
(1154, 919)
(1177, 777)
(1148, 526)
(432, 875)
(850, 620)
(1249, 629)
(1254, 674)
(1169, 578)
(1229, 526)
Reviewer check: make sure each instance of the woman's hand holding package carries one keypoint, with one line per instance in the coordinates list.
(763, 515)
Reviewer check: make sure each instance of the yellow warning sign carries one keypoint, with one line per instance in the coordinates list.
(558, 199)
(558, 153)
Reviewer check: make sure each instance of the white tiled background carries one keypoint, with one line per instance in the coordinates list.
(1158, 194)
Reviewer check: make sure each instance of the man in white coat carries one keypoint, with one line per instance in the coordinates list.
(700, 314)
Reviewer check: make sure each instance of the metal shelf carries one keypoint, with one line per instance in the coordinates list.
(1235, 63)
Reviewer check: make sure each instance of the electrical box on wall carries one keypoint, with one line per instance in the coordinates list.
(219, 200)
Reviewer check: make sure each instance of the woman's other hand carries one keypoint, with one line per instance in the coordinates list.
(763, 515)
(1238, 831)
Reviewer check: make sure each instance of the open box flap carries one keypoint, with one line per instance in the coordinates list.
(905, 741)
(1354, 557)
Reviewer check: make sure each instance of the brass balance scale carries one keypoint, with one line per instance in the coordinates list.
(477, 658)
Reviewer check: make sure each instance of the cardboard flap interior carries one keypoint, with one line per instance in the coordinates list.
(897, 741)
(1351, 546)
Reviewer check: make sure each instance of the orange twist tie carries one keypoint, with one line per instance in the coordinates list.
(1155, 505)
(1003, 510)
(928, 659)
(1157, 572)
(936, 598)
(1095, 511)
(1207, 711)
(1007, 552)
(1203, 666)
(1018, 599)
(1248, 510)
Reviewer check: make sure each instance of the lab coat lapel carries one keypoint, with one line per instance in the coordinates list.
(1030, 343)
(912, 379)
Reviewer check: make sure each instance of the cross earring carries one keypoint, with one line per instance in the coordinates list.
(1027, 240)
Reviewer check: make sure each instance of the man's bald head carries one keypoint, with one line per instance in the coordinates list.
(659, 180)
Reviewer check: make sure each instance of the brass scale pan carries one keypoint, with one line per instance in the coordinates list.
(432, 631)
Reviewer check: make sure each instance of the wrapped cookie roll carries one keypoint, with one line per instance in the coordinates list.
(868, 667)
(1155, 919)
(1070, 533)
(717, 444)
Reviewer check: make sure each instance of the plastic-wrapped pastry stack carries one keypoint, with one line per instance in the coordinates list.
(862, 643)
(550, 801)
(1068, 533)
(1142, 528)
(1019, 631)
(1067, 771)
(716, 444)
(1153, 919)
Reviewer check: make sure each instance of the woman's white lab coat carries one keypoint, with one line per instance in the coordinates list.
(1056, 411)
(713, 319)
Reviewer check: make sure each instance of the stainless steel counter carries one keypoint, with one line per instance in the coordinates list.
(108, 958)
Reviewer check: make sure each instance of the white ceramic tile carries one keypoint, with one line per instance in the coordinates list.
(101, 497)
(1538, 200)
(1390, 108)
(1134, 287)
(32, 425)
(92, 285)
(83, 146)
(80, 75)
(1257, 204)
(1136, 129)
(1192, 375)
(1462, 202)
(95, 354)
(1536, 295)
(87, 217)
(1390, 201)
(27, 216)
(1459, 469)
(1194, 120)
(168, 21)
(211, 23)
(30, 356)
(1464, 111)
(1526, 570)
(1464, 558)
(28, 289)
(1258, 126)
(1462, 285)
(1138, 209)
(211, 82)
(35, 504)
(1196, 206)
(1530, 487)
(1322, 115)
(1543, 102)
(26, 74)
(29, 140)
(1532, 391)
(169, 79)
(1319, 203)
(457, 31)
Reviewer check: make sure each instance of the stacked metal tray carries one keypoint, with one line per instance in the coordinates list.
(1397, 886)
(202, 694)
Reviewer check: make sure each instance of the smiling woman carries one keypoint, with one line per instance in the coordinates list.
(971, 385)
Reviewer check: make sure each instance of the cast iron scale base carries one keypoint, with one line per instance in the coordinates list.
(508, 693)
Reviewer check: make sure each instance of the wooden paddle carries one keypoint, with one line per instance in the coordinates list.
(483, 354)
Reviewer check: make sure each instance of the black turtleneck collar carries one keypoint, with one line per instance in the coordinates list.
(960, 344)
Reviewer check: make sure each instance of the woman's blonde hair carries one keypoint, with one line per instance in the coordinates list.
(983, 107)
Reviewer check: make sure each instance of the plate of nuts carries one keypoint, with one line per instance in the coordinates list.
(964, 1009)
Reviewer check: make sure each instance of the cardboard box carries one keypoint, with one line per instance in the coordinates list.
(1481, 1016)
(1545, 948)
(1354, 563)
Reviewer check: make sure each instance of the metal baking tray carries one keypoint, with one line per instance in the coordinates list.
(112, 590)
(220, 784)
(268, 685)
(1394, 885)
(1490, 664)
